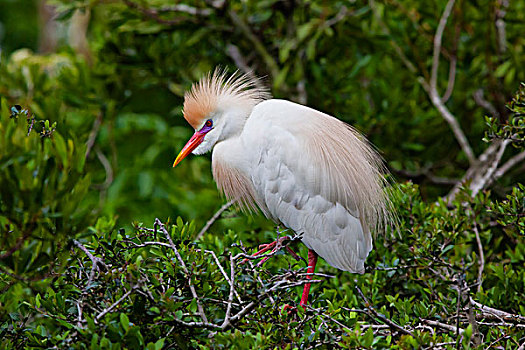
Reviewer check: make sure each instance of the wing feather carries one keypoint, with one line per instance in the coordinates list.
(319, 177)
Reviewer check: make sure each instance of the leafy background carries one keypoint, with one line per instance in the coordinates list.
(85, 264)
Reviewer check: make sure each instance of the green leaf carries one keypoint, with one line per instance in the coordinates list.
(124, 321)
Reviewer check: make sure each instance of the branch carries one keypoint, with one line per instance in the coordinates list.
(154, 14)
(257, 44)
(448, 327)
(105, 311)
(451, 78)
(431, 88)
(480, 101)
(437, 43)
(186, 9)
(95, 261)
(484, 180)
(503, 315)
(229, 280)
(93, 134)
(399, 51)
(481, 259)
(392, 324)
(520, 157)
(159, 224)
(17, 245)
(480, 173)
(213, 219)
(230, 297)
(500, 25)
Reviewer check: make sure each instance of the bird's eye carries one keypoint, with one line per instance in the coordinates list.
(209, 123)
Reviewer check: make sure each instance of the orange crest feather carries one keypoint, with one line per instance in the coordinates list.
(214, 90)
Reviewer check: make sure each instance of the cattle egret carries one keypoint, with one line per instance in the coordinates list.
(302, 168)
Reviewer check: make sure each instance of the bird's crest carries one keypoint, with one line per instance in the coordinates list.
(216, 90)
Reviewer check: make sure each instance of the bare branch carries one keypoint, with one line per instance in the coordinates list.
(480, 101)
(153, 14)
(509, 164)
(341, 15)
(107, 168)
(95, 262)
(501, 36)
(451, 78)
(186, 9)
(480, 174)
(229, 280)
(230, 297)
(437, 43)
(503, 315)
(93, 134)
(392, 324)
(484, 180)
(431, 87)
(270, 62)
(213, 219)
(481, 259)
(159, 224)
(444, 326)
(115, 304)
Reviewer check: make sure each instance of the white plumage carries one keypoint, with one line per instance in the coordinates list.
(302, 168)
(290, 188)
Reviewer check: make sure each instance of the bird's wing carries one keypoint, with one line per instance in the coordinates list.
(318, 177)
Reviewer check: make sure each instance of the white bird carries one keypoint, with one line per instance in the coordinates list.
(302, 168)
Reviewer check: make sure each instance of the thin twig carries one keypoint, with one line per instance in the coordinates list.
(95, 262)
(481, 259)
(230, 297)
(160, 225)
(93, 134)
(444, 326)
(451, 78)
(230, 282)
(187, 9)
(256, 42)
(437, 43)
(154, 14)
(213, 219)
(392, 324)
(107, 168)
(105, 311)
(480, 101)
(509, 164)
(431, 87)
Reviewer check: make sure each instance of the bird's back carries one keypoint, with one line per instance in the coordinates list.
(312, 173)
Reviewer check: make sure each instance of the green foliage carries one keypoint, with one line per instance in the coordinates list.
(43, 183)
(514, 129)
(86, 145)
(136, 292)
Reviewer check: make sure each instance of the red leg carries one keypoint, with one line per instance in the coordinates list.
(312, 261)
(274, 246)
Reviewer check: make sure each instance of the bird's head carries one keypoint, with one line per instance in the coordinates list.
(217, 108)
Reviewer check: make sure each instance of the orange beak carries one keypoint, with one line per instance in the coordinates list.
(195, 140)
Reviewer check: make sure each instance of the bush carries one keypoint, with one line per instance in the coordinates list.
(99, 245)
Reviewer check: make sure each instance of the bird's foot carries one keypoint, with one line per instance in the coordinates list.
(289, 309)
(274, 247)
